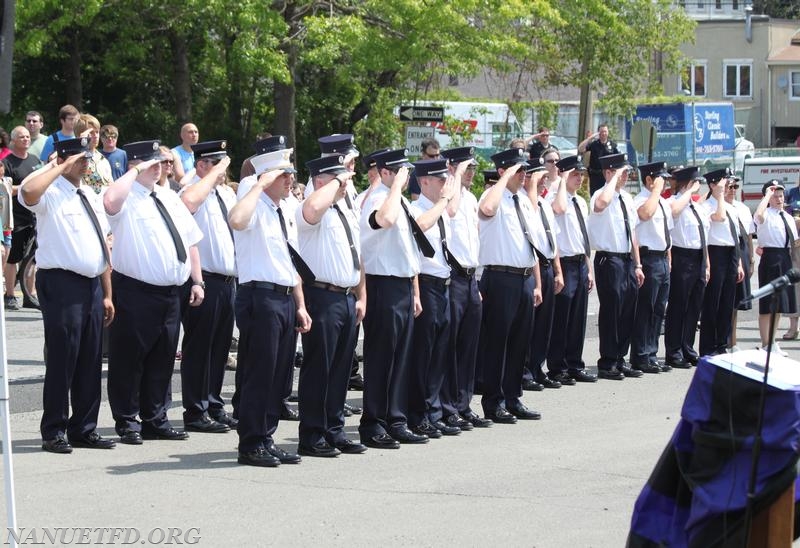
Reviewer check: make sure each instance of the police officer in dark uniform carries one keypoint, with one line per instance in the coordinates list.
(74, 285)
(690, 270)
(155, 253)
(511, 289)
(617, 266)
(208, 328)
(726, 267)
(597, 145)
(653, 233)
(269, 305)
(328, 233)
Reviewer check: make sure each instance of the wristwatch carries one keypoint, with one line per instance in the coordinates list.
(201, 283)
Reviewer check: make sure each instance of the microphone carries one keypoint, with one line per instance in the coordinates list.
(790, 278)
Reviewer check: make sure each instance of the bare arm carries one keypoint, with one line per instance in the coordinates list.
(177, 166)
(118, 191)
(763, 205)
(36, 186)
(679, 204)
(387, 214)
(194, 195)
(240, 215)
(560, 201)
(321, 200)
(606, 195)
(648, 208)
(431, 217)
(491, 200)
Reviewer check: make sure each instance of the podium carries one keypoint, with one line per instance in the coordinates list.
(697, 494)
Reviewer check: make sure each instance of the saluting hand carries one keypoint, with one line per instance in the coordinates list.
(695, 187)
(448, 189)
(401, 177)
(658, 185)
(268, 177)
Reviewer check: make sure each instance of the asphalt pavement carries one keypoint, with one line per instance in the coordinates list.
(568, 480)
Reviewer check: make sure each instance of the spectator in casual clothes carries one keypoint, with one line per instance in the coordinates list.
(167, 178)
(98, 175)
(182, 154)
(67, 115)
(4, 142)
(34, 122)
(116, 157)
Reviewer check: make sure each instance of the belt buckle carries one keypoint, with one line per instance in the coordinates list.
(348, 290)
(288, 290)
(527, 271)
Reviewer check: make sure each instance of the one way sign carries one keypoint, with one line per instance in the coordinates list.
(410, 113)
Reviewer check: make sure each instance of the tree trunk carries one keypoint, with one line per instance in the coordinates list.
(585, 112)
(72, 73)
(181, 79)
(234, 92)
(284, 99)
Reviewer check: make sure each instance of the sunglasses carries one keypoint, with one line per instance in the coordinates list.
(732, 187)
(167, 161)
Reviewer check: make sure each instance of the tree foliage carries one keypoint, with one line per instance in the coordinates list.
(308, 68)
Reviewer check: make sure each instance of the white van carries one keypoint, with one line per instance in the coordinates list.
(758, 171)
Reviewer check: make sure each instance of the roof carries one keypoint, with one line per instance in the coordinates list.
(789, 55)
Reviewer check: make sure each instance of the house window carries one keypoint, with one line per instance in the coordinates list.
(737, 78)
(694, 79)
(794, 85)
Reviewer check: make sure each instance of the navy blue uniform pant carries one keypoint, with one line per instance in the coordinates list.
(428, 353)
(716, 318)
(327, 358)
(616, 290)
(266, 321)
(144, 338)
(465, 327)
(72, 313)
(207, 331)
(505, 334)
(388, 326)
(542, 324)
(686, 289)
(569, 318)
(651, 305)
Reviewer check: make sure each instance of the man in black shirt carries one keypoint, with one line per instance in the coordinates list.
(19, 164)
(598, 145)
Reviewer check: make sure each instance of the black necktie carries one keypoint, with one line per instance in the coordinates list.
(546, 225)
(702, 239)
(667, 235)
(353, 252)
(732, 227)
(173, 231)
(627, 223)
(224, 210)
(582, 223)
(787, 229)
(348, 201)
(302, 267)
(422, 242)
(448, 257)
(96, 223)
(523, 224)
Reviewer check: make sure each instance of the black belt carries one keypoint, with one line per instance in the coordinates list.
(390, 277)
(427, 278)
(331, 287)
(624, 256)
(646, 251)
(543, 261)
(282, 289)
(221, 277)
(119, 277)
(510, 269)
(573, 259)
(775, 249)
(686, 251)
(723, 246)
(467, 272)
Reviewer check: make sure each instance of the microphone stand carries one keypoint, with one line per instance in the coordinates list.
(757, 441)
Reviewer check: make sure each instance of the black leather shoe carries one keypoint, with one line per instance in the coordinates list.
(501, 416)
(356, 383)
(665, 367)
(547, 382)
(427, 429)
(477, 421)
(163, 434)
(523, 413)
(612, 374)
(580, 375)
(446, 429)
(407, 436)
(130, 437)
(381, 441)
(320, 449)
(207, 425)
(259, 457)
(630, 372)
(57, 445)
(346, 412)
(646, 368)
(289, 414)
(455, 420)
(678, 364)
(283, 456)
(93, 441)
(563, 378)
(531, 385)
(354, 409)
(693, 360)
(226, 418)
(350, 447)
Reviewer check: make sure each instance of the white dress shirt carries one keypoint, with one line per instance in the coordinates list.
(569, 237)
(216, 248)
(685, 232)
(66, 236)
(503, 241)
(143, 247)
(606, 228)
(436, 265)
(719, 232)
(650, 233)
(387, 251)
(464, 241)
(772, 232)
